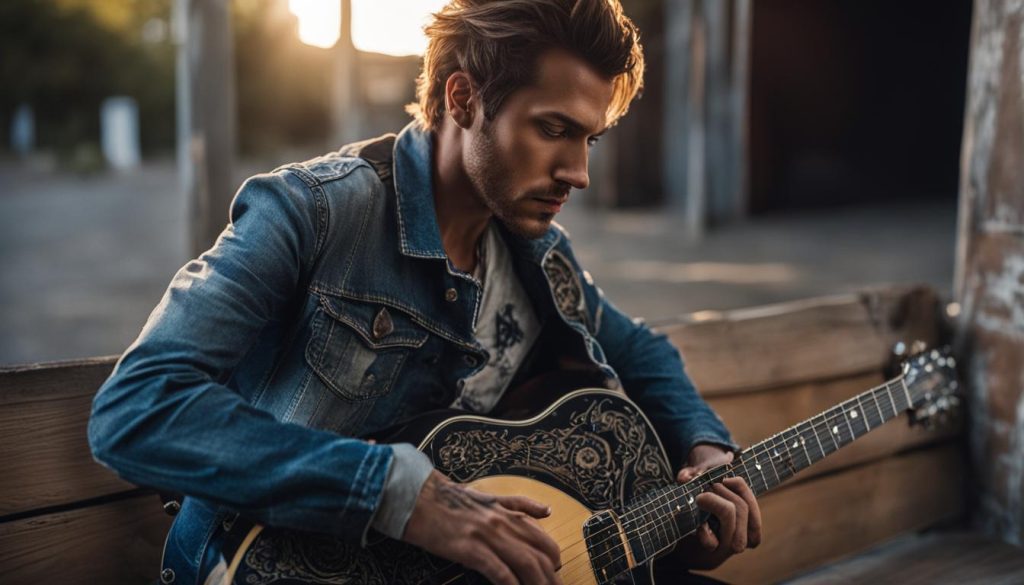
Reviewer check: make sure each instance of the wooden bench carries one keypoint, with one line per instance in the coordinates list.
(64, 518)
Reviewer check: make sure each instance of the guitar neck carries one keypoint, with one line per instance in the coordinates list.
(666, 516)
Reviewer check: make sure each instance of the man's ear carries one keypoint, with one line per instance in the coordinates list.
(459, 98)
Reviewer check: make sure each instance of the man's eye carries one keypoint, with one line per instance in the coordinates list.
(592, 140)
(552, 131)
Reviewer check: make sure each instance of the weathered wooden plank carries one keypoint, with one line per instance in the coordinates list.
(937, 558)
(780, 408)
(810, 523)
(114, 543)
(990, 262)
(44, 410)
(33, 382)
(790, 343)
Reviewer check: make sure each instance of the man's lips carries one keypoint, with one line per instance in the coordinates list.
(554, 203)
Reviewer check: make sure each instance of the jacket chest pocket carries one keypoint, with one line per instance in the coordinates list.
(357, 349)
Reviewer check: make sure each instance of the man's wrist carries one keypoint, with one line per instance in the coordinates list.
(409, 470)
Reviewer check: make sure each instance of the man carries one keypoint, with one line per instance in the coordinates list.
(358, 288)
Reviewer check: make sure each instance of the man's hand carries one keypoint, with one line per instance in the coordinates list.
(731, 502)
(496, 536)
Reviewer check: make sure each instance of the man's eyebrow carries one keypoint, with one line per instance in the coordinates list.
(571, 123)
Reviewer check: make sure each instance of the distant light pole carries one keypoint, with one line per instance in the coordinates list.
(206, 115)
(345, 89)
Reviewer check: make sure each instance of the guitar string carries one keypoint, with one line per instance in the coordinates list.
(826, 420)
(751, 455)
(612, 532)
(710, 477)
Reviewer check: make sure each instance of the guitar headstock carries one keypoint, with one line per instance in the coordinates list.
(931, 381)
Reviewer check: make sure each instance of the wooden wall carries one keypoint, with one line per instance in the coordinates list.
(990, 263)
(64, 518)
(768, 368)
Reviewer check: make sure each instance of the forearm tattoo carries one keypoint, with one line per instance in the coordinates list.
(456, 497)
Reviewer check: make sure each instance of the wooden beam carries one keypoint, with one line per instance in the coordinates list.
(113, 543)
(990, 263)
(44, 410)
(803, 341)
(812, 523)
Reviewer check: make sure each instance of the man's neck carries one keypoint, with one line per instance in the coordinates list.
(461, 217)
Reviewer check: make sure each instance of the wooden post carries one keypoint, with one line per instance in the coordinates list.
(990, 265)
(678, 29)
(696, 168)
(717, 109)
(739, 91)
(206, 115)
(345, 110)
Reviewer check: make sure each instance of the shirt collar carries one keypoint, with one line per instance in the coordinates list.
(417, 218)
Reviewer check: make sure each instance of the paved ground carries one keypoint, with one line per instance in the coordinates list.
(85, 259)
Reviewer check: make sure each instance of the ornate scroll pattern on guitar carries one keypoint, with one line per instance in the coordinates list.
(600, 453)
(293, 557)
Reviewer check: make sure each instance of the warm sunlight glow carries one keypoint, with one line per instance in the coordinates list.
(393, 27)
(319, 21)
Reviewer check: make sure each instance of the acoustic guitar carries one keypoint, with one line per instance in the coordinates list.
(592, 456)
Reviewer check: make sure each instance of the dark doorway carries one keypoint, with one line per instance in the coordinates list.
(856, 101)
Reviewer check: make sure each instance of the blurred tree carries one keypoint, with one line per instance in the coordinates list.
(65, 56)
(283, 85)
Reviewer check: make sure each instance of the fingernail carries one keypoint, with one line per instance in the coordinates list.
(547, 511)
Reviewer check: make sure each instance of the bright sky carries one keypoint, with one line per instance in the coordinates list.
(394, 27)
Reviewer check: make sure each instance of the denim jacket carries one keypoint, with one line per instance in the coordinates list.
(326, 309)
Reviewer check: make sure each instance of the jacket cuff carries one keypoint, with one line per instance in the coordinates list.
(409, 470)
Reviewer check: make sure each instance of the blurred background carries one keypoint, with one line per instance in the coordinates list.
(782, 148)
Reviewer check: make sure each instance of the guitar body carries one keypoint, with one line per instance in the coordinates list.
(591, 450)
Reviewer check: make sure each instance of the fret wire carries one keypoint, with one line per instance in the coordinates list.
(789, 449)
(846, 417)
(817, 439)
(803, 443)
(855, 418)
(874, 397)
(884, 390)
(664, 507)
(906, 391)
(772, 463)
(829, 424)
(865, 415)
(888, 392)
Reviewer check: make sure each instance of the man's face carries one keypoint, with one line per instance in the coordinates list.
(523, 163)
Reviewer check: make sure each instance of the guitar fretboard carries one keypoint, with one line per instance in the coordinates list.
(668, 515)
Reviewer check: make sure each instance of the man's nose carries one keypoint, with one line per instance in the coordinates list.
(573, 170)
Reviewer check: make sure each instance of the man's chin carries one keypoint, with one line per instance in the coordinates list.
(530, 228)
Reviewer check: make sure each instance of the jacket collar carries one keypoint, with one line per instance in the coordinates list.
(419, 234)
(417, 219)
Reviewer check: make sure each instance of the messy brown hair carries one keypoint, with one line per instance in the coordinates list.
(497, 43)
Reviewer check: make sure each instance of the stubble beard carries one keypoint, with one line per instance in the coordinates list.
(489, 175)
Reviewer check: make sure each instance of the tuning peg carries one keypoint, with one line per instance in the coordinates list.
(899, 349)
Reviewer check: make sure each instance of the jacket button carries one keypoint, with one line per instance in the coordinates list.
(172, 507)
(167, 576)
(451, 295)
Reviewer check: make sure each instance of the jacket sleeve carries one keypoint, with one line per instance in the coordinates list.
(651, 371)
(165, 417)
